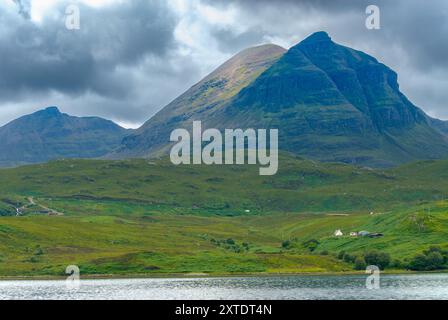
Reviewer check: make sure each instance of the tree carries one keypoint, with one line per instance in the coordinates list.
(376, 258)
(360, 263)
(431, 259)
(432, 249)
(349, 258)
(434, 261)
(418, 263)
(397, 264)
(311, 245)
(286, 244)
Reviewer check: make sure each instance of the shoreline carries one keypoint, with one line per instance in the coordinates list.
(208, 275)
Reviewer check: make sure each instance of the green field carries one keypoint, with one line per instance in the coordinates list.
(151, 218)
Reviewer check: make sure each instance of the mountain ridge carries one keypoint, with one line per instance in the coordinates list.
(50, 134)
(330, 103)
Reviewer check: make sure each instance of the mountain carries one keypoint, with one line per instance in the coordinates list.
(440, 125)
(49, 134)
(333, 103)
(200, 101)
(329, 102)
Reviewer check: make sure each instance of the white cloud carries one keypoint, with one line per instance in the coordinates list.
(40, 8)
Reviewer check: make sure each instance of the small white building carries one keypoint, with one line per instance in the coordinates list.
(338, 233)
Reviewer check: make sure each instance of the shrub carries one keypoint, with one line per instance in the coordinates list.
(377, 258)
(428, 261)
(311, 245)
(38, 251)
(230, 245)
(435, 249)
(360, 263)
(397, 264)
(418, 263)
(349, 258)
(286, 244)
(435, 260)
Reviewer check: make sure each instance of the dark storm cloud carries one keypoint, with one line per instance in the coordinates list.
(47, 56)
(130, 58)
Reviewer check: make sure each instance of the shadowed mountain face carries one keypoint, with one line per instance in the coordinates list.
(329, 102)
(49, 134)
(440, 125)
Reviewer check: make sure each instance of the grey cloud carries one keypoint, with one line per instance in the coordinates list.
(121, 64)
(124, 63)
(24, 7)
(420, 27)
(412, 39)
(231, 42)
(49, 57)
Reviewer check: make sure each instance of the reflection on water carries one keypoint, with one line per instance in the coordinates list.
(428, 286)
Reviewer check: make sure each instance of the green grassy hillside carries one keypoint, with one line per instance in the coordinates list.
(140, 217)
(300, 185)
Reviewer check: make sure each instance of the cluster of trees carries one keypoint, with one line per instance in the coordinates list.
(230, 244)
(6, 212)
(7, 208)
(310, 245)
(361, 261)
(435, 258)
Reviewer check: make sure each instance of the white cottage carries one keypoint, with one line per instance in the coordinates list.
(338, 233)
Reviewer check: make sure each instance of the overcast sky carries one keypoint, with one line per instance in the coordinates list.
(131, 57)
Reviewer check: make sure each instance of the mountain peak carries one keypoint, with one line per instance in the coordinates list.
(317, 37)
(52, 109)
(49, 112)
(262, 54)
